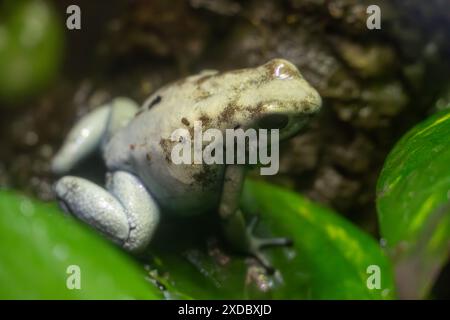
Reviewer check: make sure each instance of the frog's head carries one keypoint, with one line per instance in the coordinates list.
(283, 99)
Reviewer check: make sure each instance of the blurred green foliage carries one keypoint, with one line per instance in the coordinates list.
(413, 200)
(37, 245)
(31, 43)
(330, 256)
(329, 259)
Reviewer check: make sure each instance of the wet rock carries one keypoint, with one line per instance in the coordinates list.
(354, 157)
(221, 7)
(159, 28)
(368, 60)
(332, 187)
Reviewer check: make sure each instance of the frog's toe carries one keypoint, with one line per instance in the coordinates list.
(257, 244)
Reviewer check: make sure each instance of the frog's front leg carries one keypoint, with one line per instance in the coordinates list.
(91, 131)
(236, 231)
(124, 211)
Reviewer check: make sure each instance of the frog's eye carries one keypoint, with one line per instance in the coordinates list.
(274, 121)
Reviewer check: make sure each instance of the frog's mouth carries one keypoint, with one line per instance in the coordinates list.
(288, 125)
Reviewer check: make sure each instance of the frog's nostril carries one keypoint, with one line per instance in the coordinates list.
(274, 121)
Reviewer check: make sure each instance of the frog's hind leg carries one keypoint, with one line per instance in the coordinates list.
(91, 131)
(124, 211)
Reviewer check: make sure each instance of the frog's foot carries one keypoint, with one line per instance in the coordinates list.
(125, 212)
(256, 244)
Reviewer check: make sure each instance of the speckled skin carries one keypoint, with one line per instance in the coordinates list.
(136, 146)
(219, 100)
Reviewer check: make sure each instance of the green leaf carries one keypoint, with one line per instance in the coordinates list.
(329, 259)
(413, 194)
(38, 244)
(31, 45)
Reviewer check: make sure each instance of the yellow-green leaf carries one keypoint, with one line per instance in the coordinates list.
(413, 204)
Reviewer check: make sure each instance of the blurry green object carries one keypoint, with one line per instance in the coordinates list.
(329, 260)
(413, 201)
(38, 244)
(31, 42)
(331, 255)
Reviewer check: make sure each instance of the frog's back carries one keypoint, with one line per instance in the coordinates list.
(144, 146)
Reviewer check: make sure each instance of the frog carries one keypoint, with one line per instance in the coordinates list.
(142, 182)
